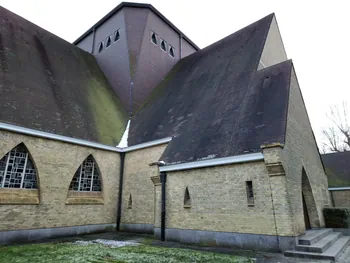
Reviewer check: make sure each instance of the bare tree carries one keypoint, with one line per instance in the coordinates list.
(337, 134)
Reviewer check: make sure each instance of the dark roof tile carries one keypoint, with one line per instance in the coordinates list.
(337, 166)
(50, 85)
(215, 103)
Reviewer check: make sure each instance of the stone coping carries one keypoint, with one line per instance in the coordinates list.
(16, 196)
(84, 198)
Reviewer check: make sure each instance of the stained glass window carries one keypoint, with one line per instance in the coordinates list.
(17, 169)
(87, 177)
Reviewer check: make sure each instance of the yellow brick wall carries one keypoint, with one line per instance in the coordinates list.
(301, 151)
(341, 198)
(219, 199)
(138, 183)
(56, 163)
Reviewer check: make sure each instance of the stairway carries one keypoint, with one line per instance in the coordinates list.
(320, 244)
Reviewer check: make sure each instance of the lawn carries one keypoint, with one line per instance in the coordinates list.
(96, 253)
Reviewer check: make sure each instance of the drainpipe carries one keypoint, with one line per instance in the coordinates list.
(163, 181)
(274, 215)
(120, 194)
(93, 40)
(180, 51)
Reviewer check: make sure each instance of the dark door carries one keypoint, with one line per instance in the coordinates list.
(306, 215)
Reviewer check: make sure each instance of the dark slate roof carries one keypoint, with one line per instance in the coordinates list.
(135, 5)
(337, 166)
(50, 85)
(215, 103)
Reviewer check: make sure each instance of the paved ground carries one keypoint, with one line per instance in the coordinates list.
(261, 257)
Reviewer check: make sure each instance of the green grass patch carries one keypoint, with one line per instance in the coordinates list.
(67, 252)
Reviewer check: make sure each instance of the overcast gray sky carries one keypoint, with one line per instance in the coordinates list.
(315, 34)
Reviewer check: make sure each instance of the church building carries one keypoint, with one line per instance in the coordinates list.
(133, 127)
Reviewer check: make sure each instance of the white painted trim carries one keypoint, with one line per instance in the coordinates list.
(52, 136)
(146, 144)
(250, 157)
(338, 188)
(56, 137)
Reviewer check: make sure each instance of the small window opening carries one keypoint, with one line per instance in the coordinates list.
(187, 199)
(116, 36)
(108, 41)
(100, 47)
(171, 52)
(163, 45)
(250, 193)
(130, 202)
(154, 38)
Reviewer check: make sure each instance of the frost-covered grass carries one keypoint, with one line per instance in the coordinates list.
(97, 253)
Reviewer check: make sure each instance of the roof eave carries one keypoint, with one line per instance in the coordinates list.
(244, 158)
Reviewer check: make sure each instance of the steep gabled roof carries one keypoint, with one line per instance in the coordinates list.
(50, 85)
(215, 102)
(337, 166)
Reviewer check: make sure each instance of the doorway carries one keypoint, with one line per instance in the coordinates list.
(306, 215)
(308, 201)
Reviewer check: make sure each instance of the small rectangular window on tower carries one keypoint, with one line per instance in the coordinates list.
(154, 38)
(116, 35)
(108, 41)
(171, 51)
(163, 45)
(250, 193)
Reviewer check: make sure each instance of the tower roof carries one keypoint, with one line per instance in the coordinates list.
(135, 5)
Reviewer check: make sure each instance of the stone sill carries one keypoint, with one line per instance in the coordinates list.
(84, 198)
(187, 206)
(15, 196)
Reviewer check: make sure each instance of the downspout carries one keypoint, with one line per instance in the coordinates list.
(180, 51)
(93, 40)
(274, 214)
(332, 198)
(163, 181)
(120, 194)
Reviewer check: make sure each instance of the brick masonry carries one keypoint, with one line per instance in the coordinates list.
(56, 163)
(138, 184)
(340, 198)
(300, 151)
(219, 199)
(218, 194)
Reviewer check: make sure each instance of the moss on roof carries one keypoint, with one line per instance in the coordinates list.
(51, 85)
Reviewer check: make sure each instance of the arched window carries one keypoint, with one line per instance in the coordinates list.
(17, 169)
(187, 199)
(130, 202)
(87, 178)
(116, 35)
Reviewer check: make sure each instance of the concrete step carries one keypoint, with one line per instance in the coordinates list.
(321, 245)
(332, 253)
(313, 236)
